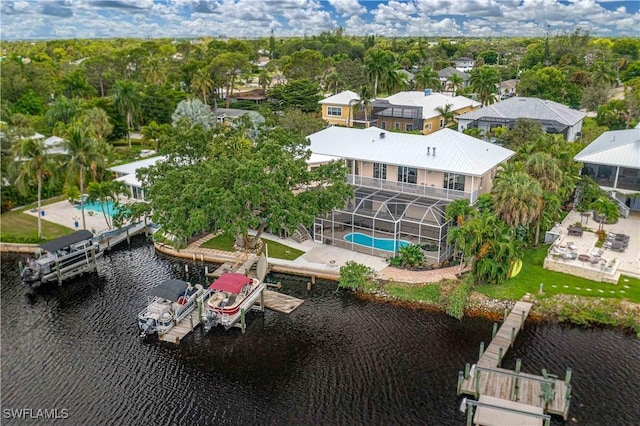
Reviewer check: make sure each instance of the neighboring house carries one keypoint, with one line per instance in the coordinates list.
(464, 64)
(445, 78)
(409, 76)
(554, 117)
(418, 110)
(227, 115)
(261, 62)
(127, 173)
(54, 145)
(402, 184)
(253, 95)
(613, 162)
(507, 88)
(340, 109)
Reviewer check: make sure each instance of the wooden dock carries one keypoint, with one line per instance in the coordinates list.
(503, 387)
(111, 238)
(180, 330)
(279, 302)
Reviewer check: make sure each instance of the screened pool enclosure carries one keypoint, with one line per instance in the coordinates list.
(377, 222)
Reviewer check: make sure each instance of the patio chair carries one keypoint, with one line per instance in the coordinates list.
(594, 260)
(619, 249)
(583, 257)
(572, 245)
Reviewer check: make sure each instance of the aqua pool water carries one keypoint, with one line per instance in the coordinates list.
(96, 206)
(386, 244)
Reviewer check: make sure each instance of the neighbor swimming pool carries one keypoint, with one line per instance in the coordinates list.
(96, 206)
(386, 244)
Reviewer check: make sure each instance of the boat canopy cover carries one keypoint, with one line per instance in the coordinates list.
(170, 290)
(230, 282)
(66, 241)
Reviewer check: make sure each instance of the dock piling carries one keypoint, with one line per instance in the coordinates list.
(495, 330)
(481, 349)
(466, 370)
(567, 377)
(460, 379)
(500, 356)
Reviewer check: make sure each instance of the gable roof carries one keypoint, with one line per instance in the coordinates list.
(129, 168)
(429, 103)
(346, 97)
(455, 151)
(613, 148)
(531, 108)
(449, 71)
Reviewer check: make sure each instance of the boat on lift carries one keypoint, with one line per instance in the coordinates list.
(62, 258)
(171, 302)
(228, 298)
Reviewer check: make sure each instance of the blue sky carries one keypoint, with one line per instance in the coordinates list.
(55, 19)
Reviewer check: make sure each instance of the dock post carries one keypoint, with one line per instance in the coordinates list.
(186, 268)
(128, 239)
(309, 286)
(477, 388)
(262, 301)
(20, 266)
(516, 386)
(466, 371)
(469, 414)
(481, 350)
(242, 320)
(460, 378)
(93, 258)
(500, 356)
(313, 279)
(191, 320)
(495, 330)
(513, 335)
(199, 305)
(567, 377)
(206, 270)
(201, 257)
(506, 313)
(522, 319)
(109, 244)
(59, 273)
(193, 257)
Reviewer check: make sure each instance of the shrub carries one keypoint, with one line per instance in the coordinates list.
(355, 276)
(456, 301)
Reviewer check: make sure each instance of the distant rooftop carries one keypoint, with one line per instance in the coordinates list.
(346, 97)
(429, 102)
(613, 148)
(530, 108)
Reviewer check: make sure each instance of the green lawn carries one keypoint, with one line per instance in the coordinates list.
(18, 227)
(532, 274)
(276, 250)
(423, 293)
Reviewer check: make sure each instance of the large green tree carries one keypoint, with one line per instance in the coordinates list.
(517, 197)
(377, 63)
(126, 99)
(218, 179)
(298, 94)
(484, 82)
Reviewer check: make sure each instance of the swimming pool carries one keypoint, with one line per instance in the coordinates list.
(96, 206)
(386, 244)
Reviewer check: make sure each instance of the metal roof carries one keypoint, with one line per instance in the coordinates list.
(613, 148)
(531, 108)
(346, 97)
(449, 71)
(455, 152)
(66, 241)
(132, 167)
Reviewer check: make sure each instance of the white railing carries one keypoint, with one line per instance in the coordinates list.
(411, 188)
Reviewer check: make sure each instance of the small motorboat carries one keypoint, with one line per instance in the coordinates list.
(172, 301)
(228, 298)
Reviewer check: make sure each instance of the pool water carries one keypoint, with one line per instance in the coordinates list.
(386, 244)
(109, 207)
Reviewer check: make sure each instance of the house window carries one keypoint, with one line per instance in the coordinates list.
(408, 127)
(453, 181)
(334, 111)
(407, 174)
(384, 125)
(441, 123)
(396, 125)
(380, 171)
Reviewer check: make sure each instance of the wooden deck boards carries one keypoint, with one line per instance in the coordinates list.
(180, 330)
(279, 302)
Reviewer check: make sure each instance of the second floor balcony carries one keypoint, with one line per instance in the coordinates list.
(412, 188)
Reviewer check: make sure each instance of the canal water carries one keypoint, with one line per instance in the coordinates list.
(336, 360)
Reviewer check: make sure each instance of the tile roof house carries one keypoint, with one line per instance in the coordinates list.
(446, 73)
(613, 162)
(554, 117)
(418, 110)
(402, 184)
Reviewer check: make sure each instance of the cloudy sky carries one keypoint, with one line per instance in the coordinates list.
(47, 19)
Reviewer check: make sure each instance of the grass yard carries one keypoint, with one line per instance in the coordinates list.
(532, 274)
(423, 293)
(18, 227)
(276, 250)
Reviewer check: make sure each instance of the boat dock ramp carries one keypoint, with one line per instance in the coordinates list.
(111, 238)
(252, 266)
(507, 397)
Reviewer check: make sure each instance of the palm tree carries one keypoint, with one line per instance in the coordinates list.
(454, 83)
(602, 73)
(395, 81)
(447, 114)
(606, 209)
(517, 197)
(543, 167)
(34, 163)
(377, 64)
(154, 72)
(126, 100)
(461, 210)
(62, 110)
(98, 120)
(484, 81)
(202, 83)
(152, 132)
(82, 152)
(263, 79)
(107, 191)
(427, 78)
(365, 103)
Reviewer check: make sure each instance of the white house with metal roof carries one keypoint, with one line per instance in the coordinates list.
(554, 117)
(613, 162)
(339, 109)
(126, 173)
(402, 184)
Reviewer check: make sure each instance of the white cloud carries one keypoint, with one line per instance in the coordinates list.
(348, 8)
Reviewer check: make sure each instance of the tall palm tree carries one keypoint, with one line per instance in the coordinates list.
(107, 191)
(454, 83)
(365, 103)
(602, 73)
(154, 72)
(543, 167)
(461, 210)
(82, 151)
(427, 78)
(395, 81)
(517, 197)
(34, 163)
(484, 81)
(447, 114)
(62, 110)
(377, 63)
(127, 100)
(202, 83)
(606, 209)
(98, 120)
